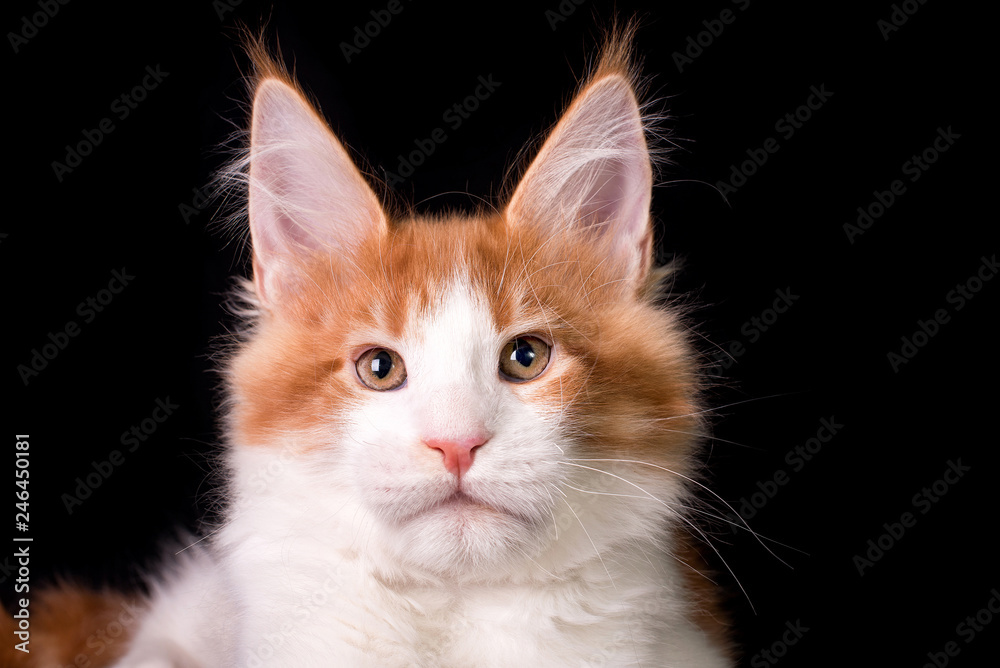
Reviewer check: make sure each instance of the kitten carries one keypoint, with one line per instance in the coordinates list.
(456, 440)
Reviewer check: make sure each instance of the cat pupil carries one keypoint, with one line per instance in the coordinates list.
(381, 365)
(524, 354)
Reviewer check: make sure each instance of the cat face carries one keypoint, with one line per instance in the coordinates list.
(469, 382)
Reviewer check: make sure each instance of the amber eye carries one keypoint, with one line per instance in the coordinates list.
(524, 358)
(381, 369)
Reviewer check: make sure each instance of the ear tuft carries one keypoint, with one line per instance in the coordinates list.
(305, 195)
(593, 177)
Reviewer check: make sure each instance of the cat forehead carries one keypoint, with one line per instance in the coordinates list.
(458, 325)
(443, 275)
(427, 274)
(459, 315)
(459, 308)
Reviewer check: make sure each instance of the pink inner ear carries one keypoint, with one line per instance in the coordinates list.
(594, 174)
(613, 199)
(305, 194)
(276, 230)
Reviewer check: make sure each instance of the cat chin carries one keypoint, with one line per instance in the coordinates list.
(461, 537)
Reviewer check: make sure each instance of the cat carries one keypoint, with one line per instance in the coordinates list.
(455, 440)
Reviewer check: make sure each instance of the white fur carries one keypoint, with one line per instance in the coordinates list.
(189, 622)
(345, 546)
(329, 559)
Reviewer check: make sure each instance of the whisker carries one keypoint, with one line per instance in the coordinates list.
(596, 551)
(693, 482)
(684, 519)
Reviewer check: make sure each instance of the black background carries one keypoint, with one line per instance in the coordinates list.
(826, 357)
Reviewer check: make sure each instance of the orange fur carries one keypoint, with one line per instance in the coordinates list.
(74, 626)
(296, 371)
(8, 655)
(625, 377)
(707, 609)
(293, 374)
(613, 337)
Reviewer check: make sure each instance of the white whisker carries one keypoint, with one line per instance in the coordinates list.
(680, 516)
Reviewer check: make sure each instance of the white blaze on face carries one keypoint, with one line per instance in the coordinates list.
(453, 391)
(453, 369)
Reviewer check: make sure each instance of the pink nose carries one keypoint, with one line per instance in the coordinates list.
(457, 451)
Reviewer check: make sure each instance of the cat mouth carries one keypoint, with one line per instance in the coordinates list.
(459, 500)
(458, 505)
(461, 505)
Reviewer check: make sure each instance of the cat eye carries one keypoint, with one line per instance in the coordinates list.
(524, 358)
(381, 369)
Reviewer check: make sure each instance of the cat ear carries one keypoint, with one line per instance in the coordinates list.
(593, 175)
(305, 194)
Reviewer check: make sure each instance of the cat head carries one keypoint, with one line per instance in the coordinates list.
(485, 389)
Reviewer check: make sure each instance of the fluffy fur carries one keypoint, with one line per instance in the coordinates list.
(346, 541)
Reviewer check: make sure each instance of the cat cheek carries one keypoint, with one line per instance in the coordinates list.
(561, 386)
(379, 433)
